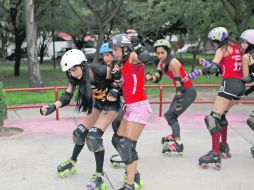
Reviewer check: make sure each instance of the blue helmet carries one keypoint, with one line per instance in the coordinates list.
(105, 48)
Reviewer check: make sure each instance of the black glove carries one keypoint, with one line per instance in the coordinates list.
(179, 102)
(51, 108)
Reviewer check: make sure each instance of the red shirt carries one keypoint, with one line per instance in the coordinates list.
(231, 65)
(183, 75)
(133, 82)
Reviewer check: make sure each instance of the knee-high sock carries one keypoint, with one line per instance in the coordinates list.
(99, 158)
(224, 134)
(77, 149)
(216, 142)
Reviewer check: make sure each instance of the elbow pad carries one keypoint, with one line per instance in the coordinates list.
(65, 99)
(212, 69)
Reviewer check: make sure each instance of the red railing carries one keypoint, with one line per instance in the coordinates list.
(160, 102)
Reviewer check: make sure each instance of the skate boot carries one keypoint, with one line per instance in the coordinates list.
(65, 166)
(96, 182)
(250, 121)
(174, 147)
(224, 149)
(167, 140)
(138, 182)
(116, 161)
(252, 151)
(210, 157)
(127, 187)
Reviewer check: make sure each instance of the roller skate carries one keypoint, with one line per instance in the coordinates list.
(96, 182)
(116, 161)
(252, 151)
(65, 166)
(174, 147)
(224, 149)
(210, 157)
(127, 187)
(138, 182)
(167, 140)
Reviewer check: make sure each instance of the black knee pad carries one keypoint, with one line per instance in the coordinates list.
(127, 150)
(212, 122)
(94, 141)
(170, 117)
(115, 125)
(223, 121)
(79, 134)
(115, 140)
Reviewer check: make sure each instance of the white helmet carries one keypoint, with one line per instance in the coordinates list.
(248, 35)
(71, 58)
(218, 34)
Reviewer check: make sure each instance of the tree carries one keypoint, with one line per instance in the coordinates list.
(240, 12)
(3, 108)
(35, 79)
(103, 12)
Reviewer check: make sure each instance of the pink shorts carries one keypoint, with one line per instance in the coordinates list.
(138, 112)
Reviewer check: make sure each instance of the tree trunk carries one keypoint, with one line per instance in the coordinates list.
(1, 126)
(35, 79)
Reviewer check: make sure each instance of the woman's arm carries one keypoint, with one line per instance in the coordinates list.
(245, 67)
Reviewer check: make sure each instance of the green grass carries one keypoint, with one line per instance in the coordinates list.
(55, 77)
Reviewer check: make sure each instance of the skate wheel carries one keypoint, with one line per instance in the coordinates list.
(204, 165)
(218, 166)
(165, 144)
(141, 183)
(180, 154)
(73, 170)
(102, 187)
(63, 174)
(167, 154)
(116, 165)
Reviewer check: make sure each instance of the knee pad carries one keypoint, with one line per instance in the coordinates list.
(212, 122)
(94, 141)
(79, 134)
(127, 150)
(170, 117)
(115, 125)
(115, 140)
(250, 120)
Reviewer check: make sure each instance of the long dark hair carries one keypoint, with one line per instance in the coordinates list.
(83, 97)
(168, 58)
(250, 48)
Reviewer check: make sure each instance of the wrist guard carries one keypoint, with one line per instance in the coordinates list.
(50, 110)
(65, 99)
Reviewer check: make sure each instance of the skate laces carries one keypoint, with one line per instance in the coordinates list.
(172, 146)
(69, 161)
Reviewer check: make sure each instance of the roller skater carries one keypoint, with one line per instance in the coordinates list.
(185, 93)
(209, 158)
(252, 151)
(138, 109)
(250, 122)
(65, 166)
(96, 182)
(228, 59)
(173, 147)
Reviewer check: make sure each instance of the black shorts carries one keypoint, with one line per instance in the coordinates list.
(107, 105)
(232, 89)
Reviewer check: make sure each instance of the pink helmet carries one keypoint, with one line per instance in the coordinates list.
(248, 35)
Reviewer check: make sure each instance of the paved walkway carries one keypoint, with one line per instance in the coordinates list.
(29, 160)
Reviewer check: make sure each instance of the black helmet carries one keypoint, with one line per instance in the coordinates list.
(120, 40)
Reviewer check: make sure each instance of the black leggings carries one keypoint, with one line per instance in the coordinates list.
(172, 114)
